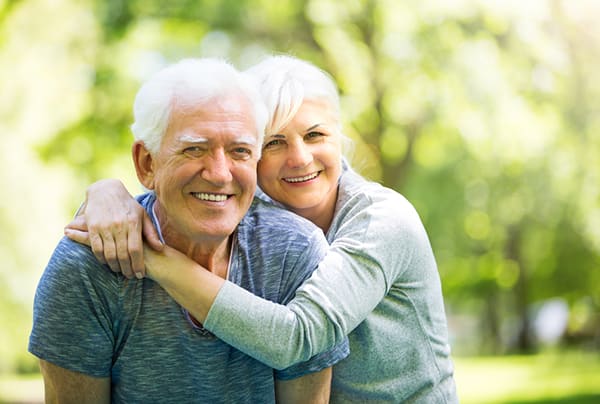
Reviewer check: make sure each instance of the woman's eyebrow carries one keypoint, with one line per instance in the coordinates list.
(313, 127)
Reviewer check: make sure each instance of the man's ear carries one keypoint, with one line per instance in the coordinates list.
(143, 161)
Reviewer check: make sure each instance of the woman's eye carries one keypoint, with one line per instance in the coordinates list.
(273, 143)
(314, 135)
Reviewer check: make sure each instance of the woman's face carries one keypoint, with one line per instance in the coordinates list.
(301, 165)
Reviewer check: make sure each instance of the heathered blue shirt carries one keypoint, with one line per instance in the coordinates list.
(91, 320)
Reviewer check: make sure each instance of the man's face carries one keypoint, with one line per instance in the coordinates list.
(204, 174)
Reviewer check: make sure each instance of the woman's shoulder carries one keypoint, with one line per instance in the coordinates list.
(361, 196)
(380, 223)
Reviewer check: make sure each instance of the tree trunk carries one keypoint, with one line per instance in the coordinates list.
(524, 341)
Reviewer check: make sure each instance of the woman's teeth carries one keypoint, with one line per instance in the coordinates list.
(302, 179)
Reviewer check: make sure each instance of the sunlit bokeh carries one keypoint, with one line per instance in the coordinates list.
(483, 113)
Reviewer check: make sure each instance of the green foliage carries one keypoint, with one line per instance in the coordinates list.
(483, 114)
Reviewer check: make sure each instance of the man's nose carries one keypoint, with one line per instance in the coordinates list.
(217, 169)
(299, 155)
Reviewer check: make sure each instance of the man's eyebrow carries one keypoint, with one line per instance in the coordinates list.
(245, 140)
(192, 139)
(187, 138)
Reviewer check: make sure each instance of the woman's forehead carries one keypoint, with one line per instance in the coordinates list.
(313, 113)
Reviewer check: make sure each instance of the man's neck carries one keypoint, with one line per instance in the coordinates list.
(210, 252)
(212, 255)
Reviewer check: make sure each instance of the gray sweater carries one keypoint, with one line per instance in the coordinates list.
(379, 285)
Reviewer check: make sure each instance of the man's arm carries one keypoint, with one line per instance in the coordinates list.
(66, 386)
(313, 388)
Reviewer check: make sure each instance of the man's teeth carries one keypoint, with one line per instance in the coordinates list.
(210, 197)
(302, 179)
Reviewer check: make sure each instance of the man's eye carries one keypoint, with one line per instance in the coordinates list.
(193, 151)
(242, 152)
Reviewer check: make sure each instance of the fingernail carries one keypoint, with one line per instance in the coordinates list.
(139, 275)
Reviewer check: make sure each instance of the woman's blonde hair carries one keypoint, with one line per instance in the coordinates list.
(285, 82)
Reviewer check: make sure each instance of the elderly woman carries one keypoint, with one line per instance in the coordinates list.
(378, 283)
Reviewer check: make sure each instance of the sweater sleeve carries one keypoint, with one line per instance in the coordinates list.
(326, 308)
(349, 283)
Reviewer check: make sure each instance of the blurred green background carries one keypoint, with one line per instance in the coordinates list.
(484, 113)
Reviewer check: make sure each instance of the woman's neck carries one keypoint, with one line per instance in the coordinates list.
(322, 214)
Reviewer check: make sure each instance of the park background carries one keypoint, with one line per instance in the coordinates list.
(484, 114)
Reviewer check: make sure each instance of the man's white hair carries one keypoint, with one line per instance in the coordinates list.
(191, 81)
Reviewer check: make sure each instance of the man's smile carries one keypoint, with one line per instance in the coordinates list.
(205, 196)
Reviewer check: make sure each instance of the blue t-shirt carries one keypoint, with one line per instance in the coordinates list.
(91, 320)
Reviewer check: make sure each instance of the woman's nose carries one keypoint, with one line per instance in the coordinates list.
(299, 155)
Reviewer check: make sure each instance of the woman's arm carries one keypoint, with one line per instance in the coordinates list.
(338, 296)
(361, 266)
(192, 286)
(330, 304)
(112, 223)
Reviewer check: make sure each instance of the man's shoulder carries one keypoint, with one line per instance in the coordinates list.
(278, 250)
(277, 234)
(69, 251)
(264, 215)
(71, 261)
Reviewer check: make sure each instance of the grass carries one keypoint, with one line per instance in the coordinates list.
(550, 378)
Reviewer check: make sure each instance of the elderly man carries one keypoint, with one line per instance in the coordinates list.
(102, 337)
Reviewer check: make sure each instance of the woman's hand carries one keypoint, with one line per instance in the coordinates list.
(112, 223)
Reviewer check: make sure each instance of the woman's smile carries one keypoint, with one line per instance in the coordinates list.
(302, 179)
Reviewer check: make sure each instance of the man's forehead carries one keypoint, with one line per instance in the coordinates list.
(224, 120)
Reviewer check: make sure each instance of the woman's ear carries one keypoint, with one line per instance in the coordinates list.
(143, 161)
